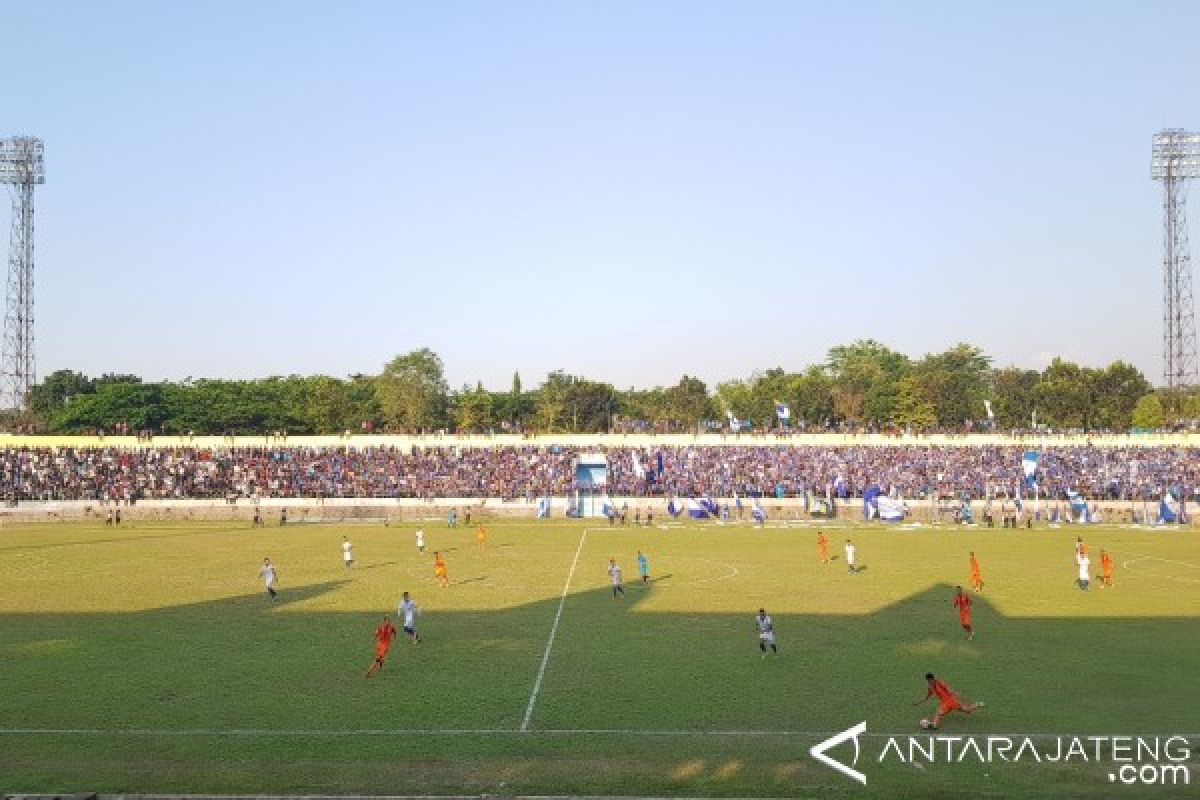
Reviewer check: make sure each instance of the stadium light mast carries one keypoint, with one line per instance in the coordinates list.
(21, 168)
(1176, 160)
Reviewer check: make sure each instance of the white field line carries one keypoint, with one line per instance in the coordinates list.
(628, 732)
(1141, 573)
(406, 797)
(731, 573)
(1165, 560)
(562, 601)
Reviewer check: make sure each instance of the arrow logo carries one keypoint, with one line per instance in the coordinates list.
(817, 751)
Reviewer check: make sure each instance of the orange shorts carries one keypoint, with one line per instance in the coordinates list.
(964, 620)
(949, 705)
(381, 651)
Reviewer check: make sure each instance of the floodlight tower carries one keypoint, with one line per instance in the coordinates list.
(1176, 160)
(21, 168)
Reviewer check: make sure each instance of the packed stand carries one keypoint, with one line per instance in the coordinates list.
(511, 473)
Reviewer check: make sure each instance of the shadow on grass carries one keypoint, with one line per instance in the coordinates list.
(174, 534)
(247, 663)
(377, 566)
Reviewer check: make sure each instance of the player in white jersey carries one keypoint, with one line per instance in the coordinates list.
(347, 555)
(850, 557)
(614, 575)
(766, 632)
(420, 540)
(268, 576)
(1085, 565)
(408, 611)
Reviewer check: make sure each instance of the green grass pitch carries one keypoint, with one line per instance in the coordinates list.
(149, 659)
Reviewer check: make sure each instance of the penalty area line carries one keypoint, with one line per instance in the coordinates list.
(562, 732)
(562, 601)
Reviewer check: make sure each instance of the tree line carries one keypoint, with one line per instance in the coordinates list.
(864, 385)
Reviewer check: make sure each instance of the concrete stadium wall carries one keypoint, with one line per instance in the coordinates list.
(351, 510)
(584, 441)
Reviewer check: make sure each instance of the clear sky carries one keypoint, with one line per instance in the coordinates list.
(624, 190)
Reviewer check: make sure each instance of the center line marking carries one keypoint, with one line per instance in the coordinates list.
(562, 601)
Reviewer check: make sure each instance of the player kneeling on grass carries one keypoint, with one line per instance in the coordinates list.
(948, 702)
(383, 642)
(766, 632)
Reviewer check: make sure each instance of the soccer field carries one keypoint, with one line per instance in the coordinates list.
(148, 658)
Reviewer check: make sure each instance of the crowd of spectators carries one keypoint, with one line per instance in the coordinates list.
(912, 471)
(510, 473)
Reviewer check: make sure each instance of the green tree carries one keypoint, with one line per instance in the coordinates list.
(412, 391)
(1148, 412)
(141, 406)
(736, 397)
(327, 406)
(686, 403)
(473, 408)
(1191, 407)
(1012, 394)
(570, 403)
(767, 389)
(362, 402)
(914, 409)
(955, 382)
(647, 405)
(591, 405)
(810, 396)
(1062, 395)
(53, 392)
(1115, 391)
(550, 405)
(865, 367)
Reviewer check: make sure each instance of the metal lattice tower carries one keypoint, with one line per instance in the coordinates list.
(1176, 160)
(21, 167)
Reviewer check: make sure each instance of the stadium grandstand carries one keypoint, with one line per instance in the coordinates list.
(800, 475)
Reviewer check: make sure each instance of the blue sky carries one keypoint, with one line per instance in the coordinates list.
(625, 190)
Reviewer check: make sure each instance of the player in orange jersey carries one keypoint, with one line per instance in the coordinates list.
(947, 698)
(1106, 567)
(963, 603)
(976, 575)
(822, 547)
(383, 641)
(439, 570)
(481, 537)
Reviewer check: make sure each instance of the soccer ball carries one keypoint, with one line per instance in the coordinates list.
(925, 725)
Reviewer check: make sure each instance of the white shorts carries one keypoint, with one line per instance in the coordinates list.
(767, 637)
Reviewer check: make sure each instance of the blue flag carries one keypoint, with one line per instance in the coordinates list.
(1029, 465)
